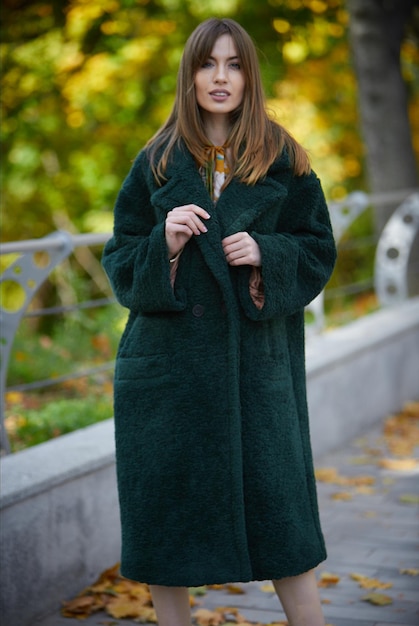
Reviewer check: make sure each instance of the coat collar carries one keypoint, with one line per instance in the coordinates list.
(239, 204)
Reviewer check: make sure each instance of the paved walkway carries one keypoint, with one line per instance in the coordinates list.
(371, 529)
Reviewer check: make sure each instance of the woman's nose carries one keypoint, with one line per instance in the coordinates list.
(220, 74)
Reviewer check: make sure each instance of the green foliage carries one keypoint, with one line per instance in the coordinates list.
(31, 426)
(77, 343)
(85, 84)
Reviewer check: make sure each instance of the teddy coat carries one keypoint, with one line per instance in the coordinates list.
(214, 463)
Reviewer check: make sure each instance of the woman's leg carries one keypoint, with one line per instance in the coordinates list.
(299, 596)
(171, 605)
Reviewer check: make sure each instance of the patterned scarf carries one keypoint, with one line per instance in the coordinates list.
(215, 170)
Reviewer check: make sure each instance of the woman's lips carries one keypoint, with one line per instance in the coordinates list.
(219, 95)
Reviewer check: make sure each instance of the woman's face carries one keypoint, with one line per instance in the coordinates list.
(219, 82)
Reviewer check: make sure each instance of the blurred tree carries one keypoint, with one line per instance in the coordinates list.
(378, 28)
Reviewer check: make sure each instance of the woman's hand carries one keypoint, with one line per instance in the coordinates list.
(181, 223)
(241, 249)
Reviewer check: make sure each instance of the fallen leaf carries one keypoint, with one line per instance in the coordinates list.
(267, 588)
(82, 606)
(370, 583)
(235, 589)
(331, 475)
(327, 579)
(401, 431)
(198, 591)
(125, 606)
(365, 490)
(327, 474)
(377, 598)
(341, 495)
(409, 498)
(410, 572)
(411, 409)
(205, 617)
(399, 465)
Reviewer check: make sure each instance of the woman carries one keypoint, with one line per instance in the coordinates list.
(221, 237)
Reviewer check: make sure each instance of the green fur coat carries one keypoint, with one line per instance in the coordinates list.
(214, 464)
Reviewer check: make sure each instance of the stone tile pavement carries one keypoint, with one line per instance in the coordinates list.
(371, 530)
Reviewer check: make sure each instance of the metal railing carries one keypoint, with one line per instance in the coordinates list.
(27, 273)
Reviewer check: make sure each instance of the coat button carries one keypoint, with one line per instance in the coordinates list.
(198, 310)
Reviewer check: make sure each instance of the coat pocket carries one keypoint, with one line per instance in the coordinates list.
(150, 366)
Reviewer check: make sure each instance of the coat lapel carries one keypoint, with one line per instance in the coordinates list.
(241, 205)
(238, 206)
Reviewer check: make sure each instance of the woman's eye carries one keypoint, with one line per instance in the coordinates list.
(235, 66)
(207, 64)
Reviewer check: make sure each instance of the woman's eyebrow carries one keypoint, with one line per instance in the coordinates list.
(211, 58)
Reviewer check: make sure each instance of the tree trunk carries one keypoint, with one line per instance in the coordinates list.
(377, 28)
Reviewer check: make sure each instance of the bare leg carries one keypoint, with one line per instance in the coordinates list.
(171, 605)
(300, 599)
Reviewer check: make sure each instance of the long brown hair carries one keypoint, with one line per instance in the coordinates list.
(255, 140)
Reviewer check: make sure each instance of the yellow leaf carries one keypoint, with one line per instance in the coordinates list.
(109, 575)
(235, 589)
(327, 474)
(370, 583)
(377, 598)
(80, 607)
(267, 588)
(14, 397)
(327, 579)
(124, 606)
(365, 490)
(198, 591)
(399, 465)
(410, 572)
(409, 498)
(411, 409)
(341, 495)
(204, 617)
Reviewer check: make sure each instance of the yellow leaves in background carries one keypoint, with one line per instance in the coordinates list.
(119, 597)
(223, 616)
(398, 465)
(328, 580)
(409, 498)
(400, 438)
(377, 598)
(370, 583)
(361, 484)
(401, 431)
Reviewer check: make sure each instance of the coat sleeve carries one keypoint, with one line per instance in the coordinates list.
(135, 258)
(298, 259)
